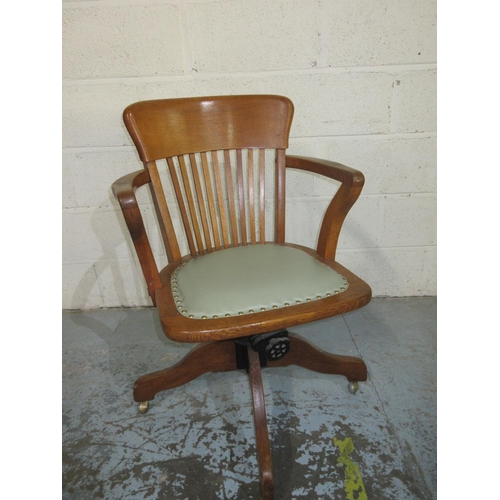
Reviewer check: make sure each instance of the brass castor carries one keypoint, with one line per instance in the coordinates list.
(353, 387)
(144, 406)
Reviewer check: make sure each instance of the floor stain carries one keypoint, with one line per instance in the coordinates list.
(354, 487)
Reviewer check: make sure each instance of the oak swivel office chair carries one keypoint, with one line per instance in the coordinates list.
(240, 286)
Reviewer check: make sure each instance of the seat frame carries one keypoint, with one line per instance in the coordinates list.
(219, 350)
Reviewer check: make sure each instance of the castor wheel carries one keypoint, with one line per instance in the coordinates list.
(353, 387)
(144, 406)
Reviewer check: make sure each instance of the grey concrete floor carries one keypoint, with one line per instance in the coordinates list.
(197, 441)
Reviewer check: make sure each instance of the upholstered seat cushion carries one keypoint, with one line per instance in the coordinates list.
(250, 279)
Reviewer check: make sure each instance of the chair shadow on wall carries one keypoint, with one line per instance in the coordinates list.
(108, 261)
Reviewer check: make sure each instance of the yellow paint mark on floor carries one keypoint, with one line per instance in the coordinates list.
(353, 480)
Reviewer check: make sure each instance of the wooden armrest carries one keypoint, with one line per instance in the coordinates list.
(352, 183)
(124, 191)
(124, 188)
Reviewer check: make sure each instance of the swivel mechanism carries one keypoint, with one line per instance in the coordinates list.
(272, 345)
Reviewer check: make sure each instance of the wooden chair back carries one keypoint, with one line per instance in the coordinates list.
(213, 152)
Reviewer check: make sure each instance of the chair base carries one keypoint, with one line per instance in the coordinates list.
(226, 355)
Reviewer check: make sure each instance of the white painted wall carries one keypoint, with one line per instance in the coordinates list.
(362, 76)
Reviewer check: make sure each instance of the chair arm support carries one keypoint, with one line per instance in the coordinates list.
(124, 191)
(124, 188)
(352, 183)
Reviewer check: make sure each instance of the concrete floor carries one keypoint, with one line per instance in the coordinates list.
(197, 441)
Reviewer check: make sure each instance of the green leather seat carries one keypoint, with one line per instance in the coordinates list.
(249, 279)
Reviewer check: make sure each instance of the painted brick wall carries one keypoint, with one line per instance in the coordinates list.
(362, 76)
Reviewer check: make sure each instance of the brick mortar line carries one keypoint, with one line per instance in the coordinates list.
(392, 135)
(336, 70)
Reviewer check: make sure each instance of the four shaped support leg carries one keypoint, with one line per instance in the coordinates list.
(222, 356)
(303, 353)
(261, 433)
(210, 357)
